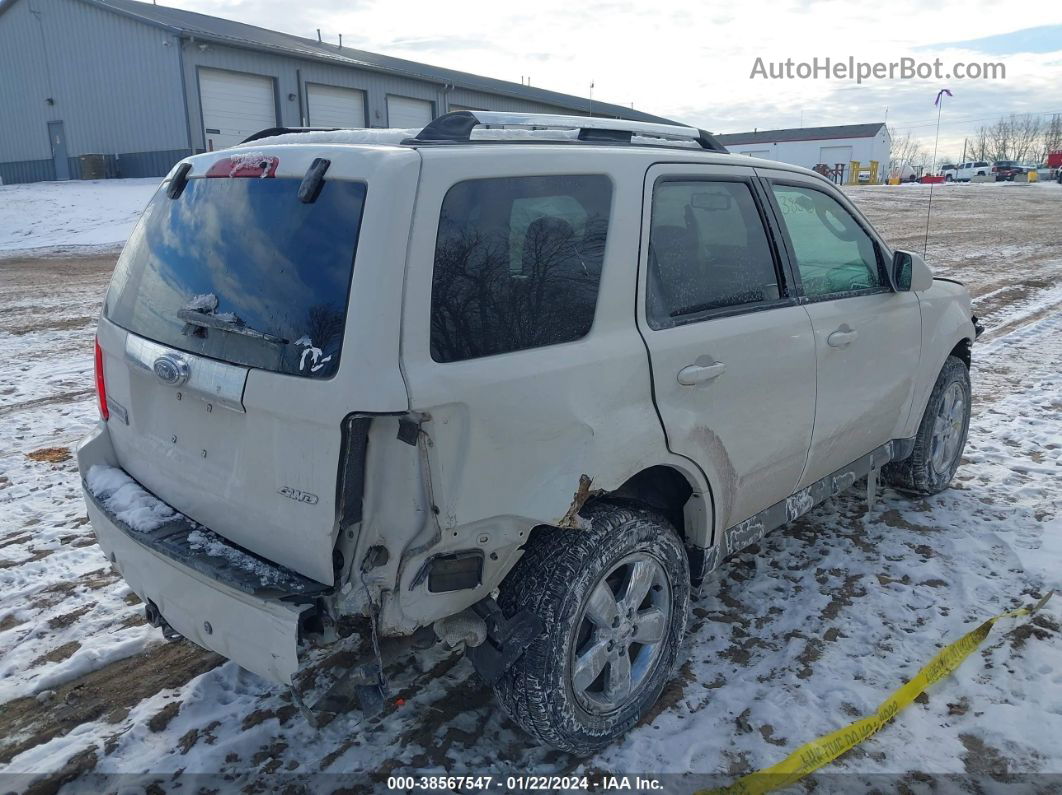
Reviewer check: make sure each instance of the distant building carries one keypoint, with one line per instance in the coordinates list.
(813, 146)
(145, 85)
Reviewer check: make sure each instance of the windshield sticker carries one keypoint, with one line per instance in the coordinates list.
(314, 355)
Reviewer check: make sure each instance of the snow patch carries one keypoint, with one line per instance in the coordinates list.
(82, 213)
(127, 500)
(206, 302)
(239, 162)
(212, 544)
(378, 136)
(396, 136)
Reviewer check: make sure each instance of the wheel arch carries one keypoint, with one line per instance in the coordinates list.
(963, 350)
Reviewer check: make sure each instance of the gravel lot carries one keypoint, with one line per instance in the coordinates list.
(786, 645)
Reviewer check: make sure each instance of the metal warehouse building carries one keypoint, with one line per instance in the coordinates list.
(814, 146)
(146, 85)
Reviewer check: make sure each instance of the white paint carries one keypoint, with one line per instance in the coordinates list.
(235, 104)
(830, 151)
(333, 106)
(408, 112)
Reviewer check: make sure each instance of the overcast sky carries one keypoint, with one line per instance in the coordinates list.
(691, 61)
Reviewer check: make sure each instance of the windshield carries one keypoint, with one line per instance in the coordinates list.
(241, 270)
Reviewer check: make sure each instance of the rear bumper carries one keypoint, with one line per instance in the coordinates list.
(258, 632)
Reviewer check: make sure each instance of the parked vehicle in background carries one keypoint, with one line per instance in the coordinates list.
(1054, 163)
(974, 168)
(948, 171)
(1006, 170)
(904, 173)
(399, 386)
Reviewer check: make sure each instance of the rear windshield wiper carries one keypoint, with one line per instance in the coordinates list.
(232, 324)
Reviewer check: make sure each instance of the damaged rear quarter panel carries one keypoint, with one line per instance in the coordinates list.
(511, 436)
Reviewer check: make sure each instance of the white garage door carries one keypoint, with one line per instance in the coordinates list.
(406, 112)
(234, 106)
(332, 106)
(832, 155)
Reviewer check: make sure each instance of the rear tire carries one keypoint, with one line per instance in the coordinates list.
(613, 599)
(941, 435)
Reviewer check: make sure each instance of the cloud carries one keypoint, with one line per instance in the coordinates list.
(1043, 39)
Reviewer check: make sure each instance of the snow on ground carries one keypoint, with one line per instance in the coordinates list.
(786, 642)
(79, 213)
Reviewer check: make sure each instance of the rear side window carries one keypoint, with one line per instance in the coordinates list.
(517, 264)
(833, 253)
(241, 270)
(708, 250)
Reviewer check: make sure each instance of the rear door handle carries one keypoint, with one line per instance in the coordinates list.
(694, 374)
(841, 337)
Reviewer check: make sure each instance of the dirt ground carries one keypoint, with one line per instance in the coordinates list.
(135, 692)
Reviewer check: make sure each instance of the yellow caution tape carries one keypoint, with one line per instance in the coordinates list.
(810, 757)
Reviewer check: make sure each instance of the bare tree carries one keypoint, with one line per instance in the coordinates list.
(1000, 140)
(1051, 137)
(980, 144)
(906, 151)
(1026, 133)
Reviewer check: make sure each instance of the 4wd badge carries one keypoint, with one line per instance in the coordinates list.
(298, 496)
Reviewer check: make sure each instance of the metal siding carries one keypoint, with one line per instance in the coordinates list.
(148, 164)
(485, 101)
(285, 71)
(115, 82)
(27, 171)
(24, 115)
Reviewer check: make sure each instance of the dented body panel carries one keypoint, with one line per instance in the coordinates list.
(365, 482)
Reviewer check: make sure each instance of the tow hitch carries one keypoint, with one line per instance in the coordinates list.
(155, 619)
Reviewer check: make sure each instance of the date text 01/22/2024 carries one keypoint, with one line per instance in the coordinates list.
(525, 783)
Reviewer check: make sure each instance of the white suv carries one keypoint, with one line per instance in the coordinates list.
(517, 392)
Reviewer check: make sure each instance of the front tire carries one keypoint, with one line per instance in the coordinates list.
(941, 435)
(614, 600)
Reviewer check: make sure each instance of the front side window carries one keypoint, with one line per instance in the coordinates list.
(833, 252)
(517, 264)
(708, 250)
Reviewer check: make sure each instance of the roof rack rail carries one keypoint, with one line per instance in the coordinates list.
(457, 127)
(271, 131)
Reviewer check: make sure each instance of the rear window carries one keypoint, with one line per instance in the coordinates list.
(517, 264)
(241, 270)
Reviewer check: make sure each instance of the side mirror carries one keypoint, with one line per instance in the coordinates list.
(910, 272)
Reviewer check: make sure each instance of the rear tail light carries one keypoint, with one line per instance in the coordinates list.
(101, 387)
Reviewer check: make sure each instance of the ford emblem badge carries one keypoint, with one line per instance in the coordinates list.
(171, 369)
